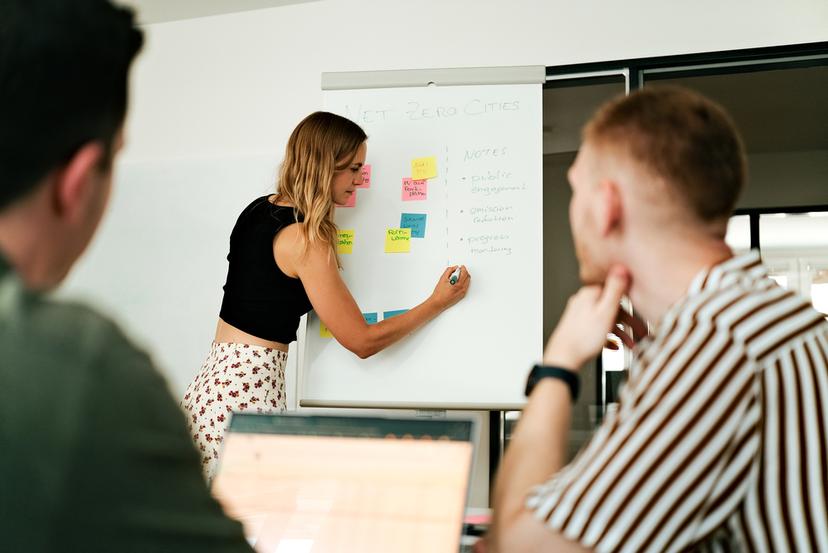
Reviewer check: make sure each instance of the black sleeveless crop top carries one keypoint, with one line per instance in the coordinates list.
(258, 297)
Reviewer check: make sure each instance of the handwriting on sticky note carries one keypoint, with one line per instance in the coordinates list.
(413, 190)
(416, 222)
(366, 177)
(389, 314)
(323, 331)
(398, 240)
(370, 318)
(345, 241)
(424, 168)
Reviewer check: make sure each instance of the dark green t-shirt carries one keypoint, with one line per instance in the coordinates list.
(94, 451)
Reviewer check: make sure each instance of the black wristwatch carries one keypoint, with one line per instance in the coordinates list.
(539, 372)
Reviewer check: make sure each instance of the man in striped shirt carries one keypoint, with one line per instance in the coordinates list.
(719, 440)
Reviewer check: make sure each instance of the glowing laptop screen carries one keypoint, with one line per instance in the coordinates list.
(311, 484)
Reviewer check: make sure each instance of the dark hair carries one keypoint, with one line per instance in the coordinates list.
(63, 83)
(684, 138)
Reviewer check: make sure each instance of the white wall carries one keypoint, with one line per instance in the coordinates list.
(223, 89)
(235, 85)
(240, 82)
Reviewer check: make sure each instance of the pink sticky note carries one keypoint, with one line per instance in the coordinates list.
(351, 201)
(477, 519)
(366, 177)
(413, 190)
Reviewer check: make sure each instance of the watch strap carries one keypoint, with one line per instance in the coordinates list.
(539, 372)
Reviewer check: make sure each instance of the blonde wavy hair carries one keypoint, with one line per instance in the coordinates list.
(320, 145)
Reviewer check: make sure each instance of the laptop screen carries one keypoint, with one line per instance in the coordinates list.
(310, 484)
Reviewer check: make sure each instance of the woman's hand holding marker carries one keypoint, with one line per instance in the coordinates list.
(451, 287)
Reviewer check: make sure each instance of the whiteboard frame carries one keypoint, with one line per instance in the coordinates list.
(424, 406)
(359, 80)
(458, 76)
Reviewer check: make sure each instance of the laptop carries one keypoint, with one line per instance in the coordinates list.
(320, 484)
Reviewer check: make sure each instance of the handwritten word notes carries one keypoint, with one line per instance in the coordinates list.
(345, 241)
(398, 240)
(370, 318)
(366, 177)
(414, 190)
(389, 314)
(416, 222)
(424, 168)
(323, 331)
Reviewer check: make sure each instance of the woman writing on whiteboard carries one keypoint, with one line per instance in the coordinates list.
(282, 264)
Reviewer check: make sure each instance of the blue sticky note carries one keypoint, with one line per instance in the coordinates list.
(389, 314)
(416, 222)
(370, 318)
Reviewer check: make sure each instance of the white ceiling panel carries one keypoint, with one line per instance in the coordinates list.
(159, 11)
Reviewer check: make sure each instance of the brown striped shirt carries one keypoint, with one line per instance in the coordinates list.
(719, 440)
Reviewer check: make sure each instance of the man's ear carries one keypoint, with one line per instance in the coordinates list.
(75, 181)
(612, 212)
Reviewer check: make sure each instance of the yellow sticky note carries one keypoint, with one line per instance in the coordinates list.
(345, 241)
(323, 331)
(398, 240)
(424, 168)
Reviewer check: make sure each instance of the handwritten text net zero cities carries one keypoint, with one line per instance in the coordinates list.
(418, 111)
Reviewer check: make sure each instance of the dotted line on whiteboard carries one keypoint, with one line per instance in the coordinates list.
(445, 188)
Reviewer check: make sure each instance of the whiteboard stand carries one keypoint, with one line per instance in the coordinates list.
(482, 207)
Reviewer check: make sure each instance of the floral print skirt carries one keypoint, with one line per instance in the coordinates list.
(234, 378)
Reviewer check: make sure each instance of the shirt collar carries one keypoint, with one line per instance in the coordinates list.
(746, 266)
(728, 272)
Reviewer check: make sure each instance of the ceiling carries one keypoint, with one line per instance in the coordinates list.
(782, 110)
(159, 11)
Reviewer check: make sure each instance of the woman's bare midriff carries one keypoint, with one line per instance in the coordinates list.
(227, 333)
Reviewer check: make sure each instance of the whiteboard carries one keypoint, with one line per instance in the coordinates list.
(483, 210)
